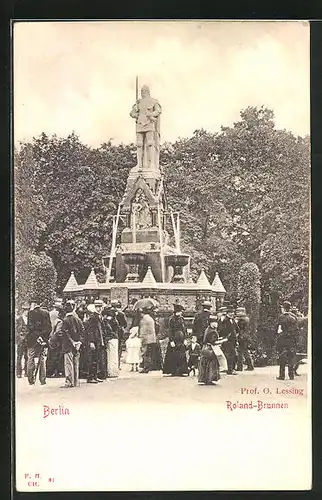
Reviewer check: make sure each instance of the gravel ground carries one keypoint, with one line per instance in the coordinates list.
(120, 434)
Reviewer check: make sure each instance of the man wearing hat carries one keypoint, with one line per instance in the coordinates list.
(54, 312)
(201, 321)
(148, 338)
(243, 340)
(96, 344)
(175, 361)
(221, 313)
(38, 331)
(21, 332)
(55, 362)
(120, 317)
(228, 329)
(72, 334)
(286, 341)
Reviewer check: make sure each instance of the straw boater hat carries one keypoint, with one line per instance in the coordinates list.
(240, 311)
(206, 304)
(98, 302)
(230, 309)
(222, 309)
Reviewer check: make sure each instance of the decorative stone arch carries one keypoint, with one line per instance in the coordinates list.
(139, 184)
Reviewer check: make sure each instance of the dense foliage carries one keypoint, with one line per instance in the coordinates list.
(243, 195)
(249, 293)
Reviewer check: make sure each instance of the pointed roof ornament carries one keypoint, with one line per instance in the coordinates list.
(149, 279)
(71, 285)
(203, 280)
(217, 284)
(91, 282)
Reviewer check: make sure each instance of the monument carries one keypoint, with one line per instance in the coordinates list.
(148, 260)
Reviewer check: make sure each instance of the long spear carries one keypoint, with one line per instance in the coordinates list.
(136, 89)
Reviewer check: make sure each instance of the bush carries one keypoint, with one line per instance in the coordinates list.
(35, 275)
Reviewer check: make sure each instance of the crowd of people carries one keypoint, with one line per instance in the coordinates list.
(86, 341)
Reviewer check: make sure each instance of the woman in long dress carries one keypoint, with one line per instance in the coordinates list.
(111, 342)
(208, 372)
(175, 361)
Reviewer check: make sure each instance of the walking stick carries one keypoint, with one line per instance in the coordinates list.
(39, 360)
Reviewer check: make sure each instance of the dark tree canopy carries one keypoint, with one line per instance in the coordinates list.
(243, 195)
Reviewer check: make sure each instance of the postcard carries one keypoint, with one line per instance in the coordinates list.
(162, 255)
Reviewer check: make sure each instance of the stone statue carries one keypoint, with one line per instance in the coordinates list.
(141, 214)
(146, 112)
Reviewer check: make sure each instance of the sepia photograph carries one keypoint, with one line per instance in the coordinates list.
(162, 238)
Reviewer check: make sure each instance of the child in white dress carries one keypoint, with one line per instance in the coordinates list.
(133, 349)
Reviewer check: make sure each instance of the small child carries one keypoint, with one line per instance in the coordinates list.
(194, 351)
(133, 349)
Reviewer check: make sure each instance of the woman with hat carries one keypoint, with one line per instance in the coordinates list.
(175, 361)
(208, 364)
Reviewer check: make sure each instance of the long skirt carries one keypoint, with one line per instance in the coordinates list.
(156, 357)
(112, 358)
(175, 361)
(208, 366)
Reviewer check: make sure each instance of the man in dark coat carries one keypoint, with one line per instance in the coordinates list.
(286, 341)
(55, 359)
(72, 334)
(96, 344)
(175, 361)
(228, 329)
(122, 324)
(21, 332)
(243, 340)
(302, 342)
(38, 331)
(201, 321)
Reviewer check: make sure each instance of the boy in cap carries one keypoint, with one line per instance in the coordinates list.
(194, 351)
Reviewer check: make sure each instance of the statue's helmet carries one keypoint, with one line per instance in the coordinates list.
(145, 90)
